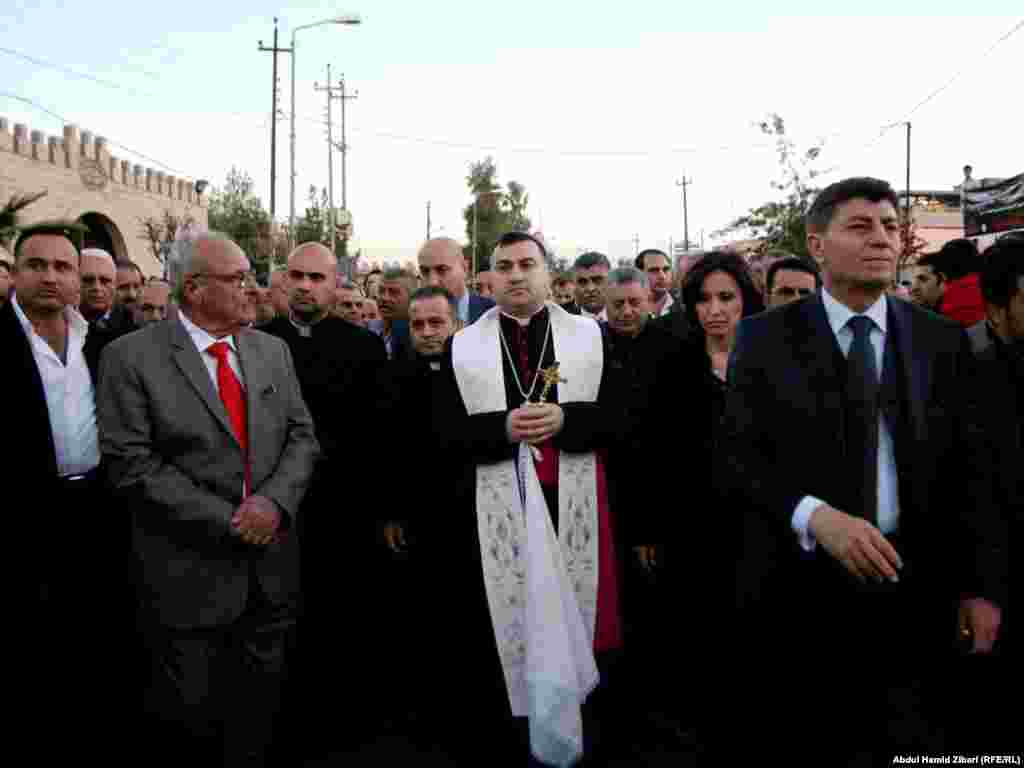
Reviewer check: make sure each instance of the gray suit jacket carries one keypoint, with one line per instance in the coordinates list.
(171, 453)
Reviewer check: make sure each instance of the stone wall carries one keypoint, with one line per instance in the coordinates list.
(81, 177)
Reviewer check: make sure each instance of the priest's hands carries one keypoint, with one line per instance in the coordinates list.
(534, 423)
(256, 521)
(858, 545)
(394, 537)
(979, 620)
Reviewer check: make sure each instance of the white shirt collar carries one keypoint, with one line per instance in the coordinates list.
(203, 339)
(76, 323)
(839, 314)
(464, 307)
(669, 301)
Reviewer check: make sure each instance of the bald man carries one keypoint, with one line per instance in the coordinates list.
(339, 367)
(442, 264)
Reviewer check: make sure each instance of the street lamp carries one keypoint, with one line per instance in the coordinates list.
(350, 19)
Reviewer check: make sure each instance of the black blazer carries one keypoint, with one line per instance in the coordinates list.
(782, 439)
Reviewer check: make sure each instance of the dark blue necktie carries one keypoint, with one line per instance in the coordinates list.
(862, 420)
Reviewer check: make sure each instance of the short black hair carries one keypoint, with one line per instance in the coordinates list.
(1004, 266)
(639, 263)
(732, 265)
(831, 197)
(793, 264)
(435, 292)
(72, 231)
(591, 259)
(515, 236)
(956, 259)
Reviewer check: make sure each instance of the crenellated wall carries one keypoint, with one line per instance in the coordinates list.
(81, 177)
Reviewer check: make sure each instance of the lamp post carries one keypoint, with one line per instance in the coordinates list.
(348, 19)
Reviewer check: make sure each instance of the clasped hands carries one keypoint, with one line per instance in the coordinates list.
(533, 423)
(256, 521)
(864, 551)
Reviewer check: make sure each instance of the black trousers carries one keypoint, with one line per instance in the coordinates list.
(215, 691)
(74, 646)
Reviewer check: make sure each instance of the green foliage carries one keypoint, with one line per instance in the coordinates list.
(497, 210)
(780, 223)
(159, 231)
(238, 213)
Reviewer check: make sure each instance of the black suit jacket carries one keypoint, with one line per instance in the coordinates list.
(1001, 379)
(782, 439)
(477, 306)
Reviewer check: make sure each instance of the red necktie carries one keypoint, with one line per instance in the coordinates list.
(233, 397)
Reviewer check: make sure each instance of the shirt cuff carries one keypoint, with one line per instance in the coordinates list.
(802, 519)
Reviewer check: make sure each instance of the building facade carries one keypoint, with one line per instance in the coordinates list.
(84, 182)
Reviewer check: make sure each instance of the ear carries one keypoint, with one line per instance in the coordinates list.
(816, 246)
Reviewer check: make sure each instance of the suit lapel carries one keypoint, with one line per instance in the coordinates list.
(33, 384)
(916, 368)
(256, 381)
(817, 352)
(188, 359)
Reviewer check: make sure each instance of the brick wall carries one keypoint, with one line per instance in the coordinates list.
(80, 176)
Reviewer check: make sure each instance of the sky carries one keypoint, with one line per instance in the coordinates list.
(598, 108)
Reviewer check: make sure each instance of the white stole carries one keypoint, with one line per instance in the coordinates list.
(542, 591)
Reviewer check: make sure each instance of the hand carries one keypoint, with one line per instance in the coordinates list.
(257, 520)
(394, 537)
(534, 423)
(980, 619)
(647, 555)
(856, 543)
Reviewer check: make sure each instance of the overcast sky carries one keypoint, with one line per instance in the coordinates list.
(597, 108)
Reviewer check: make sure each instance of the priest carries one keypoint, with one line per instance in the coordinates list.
(527, 568)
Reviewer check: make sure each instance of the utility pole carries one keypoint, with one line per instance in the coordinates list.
(684, 183)
(330, 161)
(344, 141)
(428, 219)
(906, 245)
(273, 121)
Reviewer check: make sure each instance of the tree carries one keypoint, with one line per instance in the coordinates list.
(238, 213)
(780, 223)
(494, 209)
(912, 245)
(160, 231)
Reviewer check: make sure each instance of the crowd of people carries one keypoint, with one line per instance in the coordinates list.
(741, 508)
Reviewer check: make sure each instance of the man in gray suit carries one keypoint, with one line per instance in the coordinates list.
(209, 443)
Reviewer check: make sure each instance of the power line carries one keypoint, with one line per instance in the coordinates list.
(886, 128)
(66, 121)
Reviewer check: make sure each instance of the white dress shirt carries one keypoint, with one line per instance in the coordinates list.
(888, 484)
(667, 307)
(601, 316)
(464, 308)
(203, 342)
(70, 397)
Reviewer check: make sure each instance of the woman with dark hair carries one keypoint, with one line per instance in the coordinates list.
(692, 567)
(718, 292)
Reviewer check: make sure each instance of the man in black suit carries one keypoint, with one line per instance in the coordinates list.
(340, 368)
(69, 552)
(990, 718)
(441, 264)
(847, 446)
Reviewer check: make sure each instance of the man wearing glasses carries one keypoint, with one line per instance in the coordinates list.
(790, 279)
(206, 438)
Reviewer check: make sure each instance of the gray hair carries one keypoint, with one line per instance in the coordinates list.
(591, 259)
(99, 253)
(190, 261)
(628, 276)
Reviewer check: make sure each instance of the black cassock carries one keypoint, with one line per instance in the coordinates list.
(459, 675)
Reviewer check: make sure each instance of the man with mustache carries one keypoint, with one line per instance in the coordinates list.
(591, 273)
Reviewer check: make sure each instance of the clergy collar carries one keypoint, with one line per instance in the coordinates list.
(305, 329)
(524, 322)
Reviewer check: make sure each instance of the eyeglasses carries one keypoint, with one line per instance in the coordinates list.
(238, 280)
